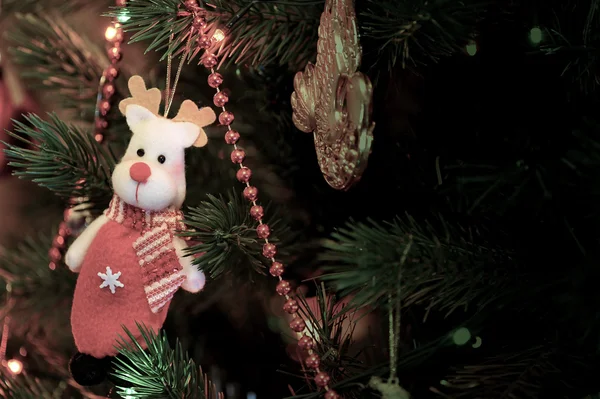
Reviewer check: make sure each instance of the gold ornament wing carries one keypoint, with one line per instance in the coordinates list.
(334, 101)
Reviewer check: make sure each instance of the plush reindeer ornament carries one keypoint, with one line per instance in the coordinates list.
(130, 262)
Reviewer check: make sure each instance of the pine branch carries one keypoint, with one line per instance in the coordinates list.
(267, 33)
(226, 236)
(55, 58)
(159, 371)
(577, 47)
(416, 264)
(39, 293)
(417, 32)
(332, 329)
(24, 387)
(60, 157)
(512, 375)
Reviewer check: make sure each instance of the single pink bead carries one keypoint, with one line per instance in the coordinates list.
(276, 269)
(199, 22)
(251, 193)
(238, 156)
(191, 5)
(220, 99)
(291, 306)
(257, 212)
(226, 118)
(269, 250)
(331, 394)
(215, 79)
(101, 123)
(55, 254)
(244, 175)
(232, 137)
(104, 107)
(263, 231)
(111, 73)
(121, 3)
(283, 288)
(114, 53)
(204, 42)
(306, 342)
(108, 90)
(322, 379)
(209, 61)
(312, 361)
(298, 325)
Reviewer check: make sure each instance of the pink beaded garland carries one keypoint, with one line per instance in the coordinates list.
(238, 156)
(226, 118)
(291, 306)
(215, 80)
(251, 193)
(209, 61)
(244, 174)
(269, 250)
(331, 394)
(298, 325)
(283, 288)
(263, 231)
(232, 137)
(220, 99)
(276, 269)
(322, 379)
(306, 342)
(257, 212)
(312, 361)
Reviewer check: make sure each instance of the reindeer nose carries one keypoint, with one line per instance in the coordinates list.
(140, 172)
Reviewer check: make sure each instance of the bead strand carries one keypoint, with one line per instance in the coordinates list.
(263, 231)
(106, 89)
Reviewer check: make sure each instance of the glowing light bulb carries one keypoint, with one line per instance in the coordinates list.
(14, 366)
(471, 48)
(536, 35)
(219, 35)
(110, 33)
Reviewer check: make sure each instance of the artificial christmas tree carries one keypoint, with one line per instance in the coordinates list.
(459, 262)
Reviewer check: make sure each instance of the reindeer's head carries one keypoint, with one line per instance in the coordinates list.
(151, 174)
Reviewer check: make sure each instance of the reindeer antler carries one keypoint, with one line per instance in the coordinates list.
(149, 99)
(189, 112)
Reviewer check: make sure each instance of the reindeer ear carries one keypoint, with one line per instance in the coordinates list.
(187, 133)
(136, 114)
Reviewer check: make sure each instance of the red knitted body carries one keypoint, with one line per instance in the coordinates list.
(98, 315)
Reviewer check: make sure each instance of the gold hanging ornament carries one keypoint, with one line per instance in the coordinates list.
(334, 101)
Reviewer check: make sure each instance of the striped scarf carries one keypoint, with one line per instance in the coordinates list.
(154, 249)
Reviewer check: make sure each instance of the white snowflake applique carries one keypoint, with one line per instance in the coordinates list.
(110, 280)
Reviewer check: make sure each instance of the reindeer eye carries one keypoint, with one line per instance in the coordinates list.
(161, 159)
(141, 152)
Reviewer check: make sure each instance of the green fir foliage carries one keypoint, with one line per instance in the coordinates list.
(62, 158)
(415, 264)
(55, 58)
(159, 371)
(39, 292)
(260, 33)
(23, 387)
(223, 232)
(416, 32)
